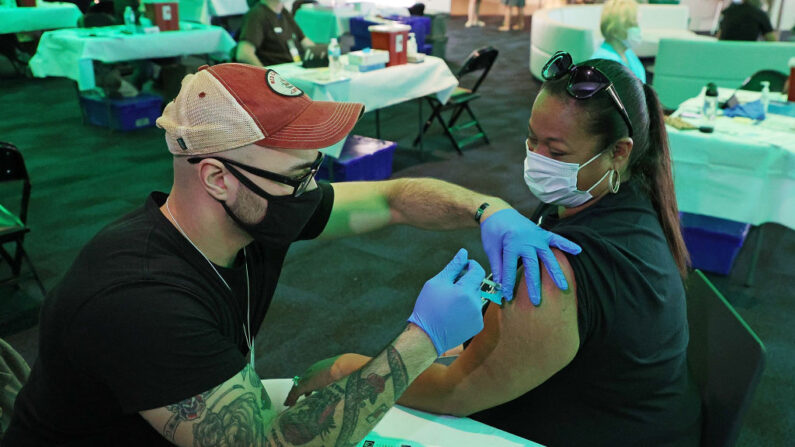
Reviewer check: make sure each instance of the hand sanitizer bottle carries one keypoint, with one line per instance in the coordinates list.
(765, 96)
(129, 20)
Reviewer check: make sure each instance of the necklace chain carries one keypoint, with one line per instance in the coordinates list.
(246, 329)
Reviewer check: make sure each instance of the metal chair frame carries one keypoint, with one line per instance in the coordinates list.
(479, 60)
(12, 168)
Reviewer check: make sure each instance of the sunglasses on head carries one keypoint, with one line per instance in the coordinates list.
(299, 185)
(584, 81)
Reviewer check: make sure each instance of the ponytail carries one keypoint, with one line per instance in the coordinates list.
(658, 171)
(650, 160)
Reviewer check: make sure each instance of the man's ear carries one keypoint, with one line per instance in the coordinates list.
(215, 179)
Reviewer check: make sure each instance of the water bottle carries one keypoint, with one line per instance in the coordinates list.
(334, 63)
(709, 111)
(129, 20)
(765, 96)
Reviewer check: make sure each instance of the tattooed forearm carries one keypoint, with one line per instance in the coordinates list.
(315, 417)
(400, 376)
(237, 423)
(188, 410)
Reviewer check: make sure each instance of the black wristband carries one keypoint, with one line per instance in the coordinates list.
(479, 212)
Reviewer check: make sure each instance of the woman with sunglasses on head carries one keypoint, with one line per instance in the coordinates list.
(604, 362)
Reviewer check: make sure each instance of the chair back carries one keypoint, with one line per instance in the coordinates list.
(754, 82)
(726, 359)
(12, 168)
(479, 60)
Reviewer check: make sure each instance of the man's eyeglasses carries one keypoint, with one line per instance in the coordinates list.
(299, 185)
(584, 81)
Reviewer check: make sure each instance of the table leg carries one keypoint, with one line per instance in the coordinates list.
(419, 120)
(749, 279)
(378, 123)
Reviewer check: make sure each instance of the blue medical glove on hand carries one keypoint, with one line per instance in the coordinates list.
(449, 311)
(508, 236)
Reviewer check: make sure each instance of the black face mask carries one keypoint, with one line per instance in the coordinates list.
(285, 218)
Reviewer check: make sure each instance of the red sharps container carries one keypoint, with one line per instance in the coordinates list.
(393, 38)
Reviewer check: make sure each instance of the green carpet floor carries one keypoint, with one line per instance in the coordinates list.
(352, 294)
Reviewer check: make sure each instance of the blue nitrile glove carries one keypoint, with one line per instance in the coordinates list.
(449, 311)
(508, 236)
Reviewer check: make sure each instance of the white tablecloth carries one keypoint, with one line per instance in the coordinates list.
(70, 52)
(417, 428)
(202, 10)
(44, 16)
(375, 89)
(379, 88)
(744, 171)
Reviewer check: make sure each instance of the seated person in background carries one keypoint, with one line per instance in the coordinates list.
(270, 36)
(745, 21)
(603, 363)
(619, 26)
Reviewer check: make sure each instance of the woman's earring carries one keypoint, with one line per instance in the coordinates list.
(614, 184)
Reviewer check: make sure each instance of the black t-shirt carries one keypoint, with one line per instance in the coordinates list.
(628, 384)
(744, 22)
(270, 32)
(140, 321)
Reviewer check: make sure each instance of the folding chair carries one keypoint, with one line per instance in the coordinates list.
(754, 82)
(480, 60)
(13, 228)
(726, 359)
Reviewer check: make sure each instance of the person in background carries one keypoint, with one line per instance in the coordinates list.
(513, 6)
(270, 36)
(473, 9)
(604, 363)
(619, 26)
(745, 21)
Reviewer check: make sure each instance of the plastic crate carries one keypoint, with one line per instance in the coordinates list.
(361, 158)
(361, 34)
(713, 243)
(420, 26)
(121, 114)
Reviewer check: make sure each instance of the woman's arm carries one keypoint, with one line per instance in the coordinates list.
(520, 347)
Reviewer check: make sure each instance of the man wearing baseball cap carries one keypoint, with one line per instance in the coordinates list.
(148, 340)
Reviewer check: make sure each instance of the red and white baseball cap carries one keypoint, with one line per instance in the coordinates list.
(227, 106)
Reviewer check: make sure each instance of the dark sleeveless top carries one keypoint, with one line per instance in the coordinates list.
(629, 383)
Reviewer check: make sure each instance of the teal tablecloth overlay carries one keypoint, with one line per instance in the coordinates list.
(321, 24)
(71, 52)
(44, 16)
(743, 171)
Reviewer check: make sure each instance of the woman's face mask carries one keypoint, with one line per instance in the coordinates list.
(634, 37)
(554, 181)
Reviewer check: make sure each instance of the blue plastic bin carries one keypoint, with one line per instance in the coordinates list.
(420, 26)
(713, 243)
(361, 34)
(121, 114)
(362, 158)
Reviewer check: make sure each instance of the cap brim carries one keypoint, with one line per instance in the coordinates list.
(320, 125)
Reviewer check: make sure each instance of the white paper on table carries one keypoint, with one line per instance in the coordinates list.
(420, 429)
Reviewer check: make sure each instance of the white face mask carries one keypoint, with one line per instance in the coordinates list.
(554, 181)
(634, 37)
